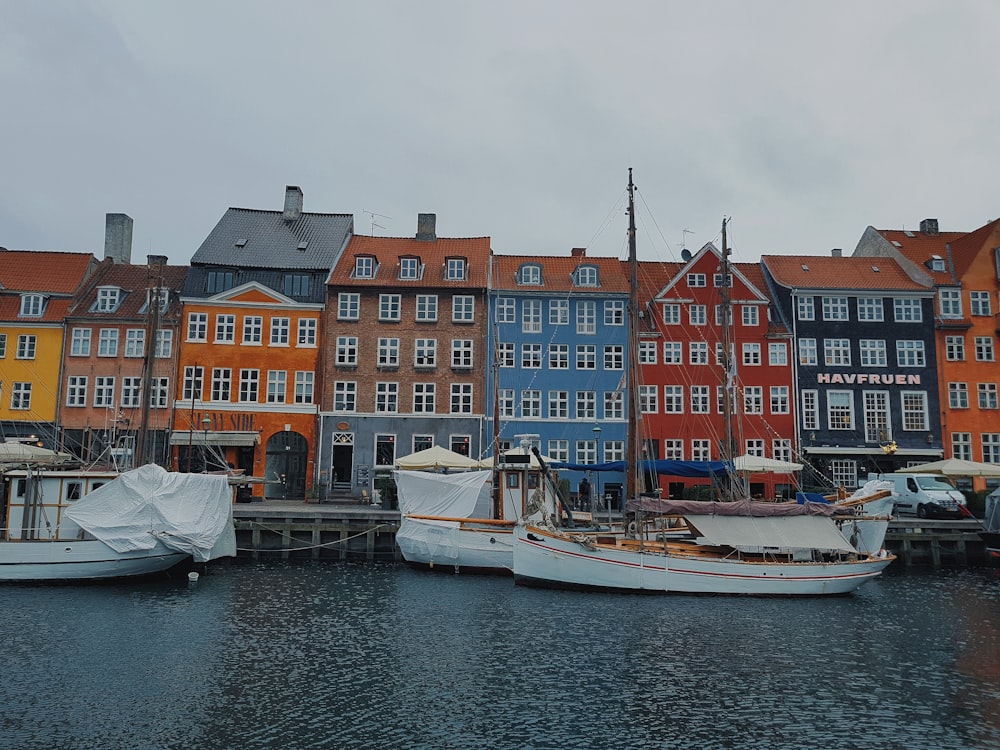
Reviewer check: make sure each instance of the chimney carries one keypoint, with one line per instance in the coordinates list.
(118, 238)
(837, 252)
(293, 203)
(929, 226)
(578, 252)
(426, 227)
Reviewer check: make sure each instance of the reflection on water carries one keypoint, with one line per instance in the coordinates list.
(325, 655)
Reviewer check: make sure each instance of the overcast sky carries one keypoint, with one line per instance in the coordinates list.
(805, 122)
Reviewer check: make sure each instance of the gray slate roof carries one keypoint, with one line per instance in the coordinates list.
(272, 242)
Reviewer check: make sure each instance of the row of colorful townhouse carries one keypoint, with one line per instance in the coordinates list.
(296, 350)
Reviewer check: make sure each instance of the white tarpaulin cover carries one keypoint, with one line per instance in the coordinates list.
(761, 465)
(451, 495)
(187, 512)
(785, 532)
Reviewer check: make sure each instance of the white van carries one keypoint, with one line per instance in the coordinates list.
(924, 495)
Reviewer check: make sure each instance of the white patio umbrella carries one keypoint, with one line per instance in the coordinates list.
(437, 457)
(956, 467)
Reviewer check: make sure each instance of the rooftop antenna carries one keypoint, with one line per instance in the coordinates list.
(376, 225)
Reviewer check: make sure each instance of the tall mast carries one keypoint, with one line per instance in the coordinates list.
(633, 464)
(153, 285)
(729, 450)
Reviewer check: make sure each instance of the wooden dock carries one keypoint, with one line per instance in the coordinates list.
(925, 541)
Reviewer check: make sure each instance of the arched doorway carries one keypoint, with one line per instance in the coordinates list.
(287, 455)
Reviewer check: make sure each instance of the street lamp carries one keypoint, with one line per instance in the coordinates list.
(597, 457)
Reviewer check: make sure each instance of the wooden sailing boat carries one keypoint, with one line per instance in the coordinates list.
(737, 547)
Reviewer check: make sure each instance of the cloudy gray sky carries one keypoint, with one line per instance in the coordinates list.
(804, 122)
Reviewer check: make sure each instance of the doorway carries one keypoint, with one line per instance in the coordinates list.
(286, 459)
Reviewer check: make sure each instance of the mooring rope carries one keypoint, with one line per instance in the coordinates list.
(305, 546)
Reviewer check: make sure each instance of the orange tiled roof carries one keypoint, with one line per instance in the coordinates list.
(134, 280)
(432, 254)
(43, 271)
(557, 273)
(825, 272)
(918, 247)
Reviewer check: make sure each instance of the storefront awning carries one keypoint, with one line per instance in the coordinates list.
(215, 437)
(836, 450)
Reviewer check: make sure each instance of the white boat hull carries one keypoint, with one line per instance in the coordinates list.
(81, 560)
(544, 559)
(447, 544)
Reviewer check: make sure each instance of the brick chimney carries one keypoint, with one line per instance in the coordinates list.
(578, 252)
(426, 227)
(293, 203)
(929, 226)
(118, 238)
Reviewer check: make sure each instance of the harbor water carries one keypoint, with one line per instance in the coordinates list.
(347, 655)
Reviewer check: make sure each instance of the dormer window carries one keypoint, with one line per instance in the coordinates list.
(936, 263)
(32, 305)
(364, 267)
(160, 295)
(219, 281)
(455, 269)
(108, 298)
(586, 276)
(529, 275)
(409, 269)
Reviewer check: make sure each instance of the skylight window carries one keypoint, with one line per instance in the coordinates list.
(241, 243)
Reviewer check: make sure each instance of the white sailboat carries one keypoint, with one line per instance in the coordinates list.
(741, 547)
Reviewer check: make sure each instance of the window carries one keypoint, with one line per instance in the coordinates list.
(647, 352)
(649, 400)
(506, 310)
(958, 395)
(461, 398)
(387, 398)
(159, 393)
(422, 442)
(614, 357)
(427, 308)
(586, 451)
(559, 356)
(673, 399)
(194, 380)
(779, 399)
(614, 312)
(409, 269)
(671, 314)
(529, 275)
(280, 328)
(558, 404)
(614, 450)
(506, 353)
(753, 399)
(718, 281)
(104, 392)
(701, 450)
(455, 269)
(531, 403)
(107, 299)
(840, 410)
(3, 345)
(218, 281)
(347, 351)
(586, 405)
(20, 396)
(807, 352)
(907, 310)
(673, 449)
(135, 342)
(777, 354)
(507, 402)
(221, 383)
(107, 343)
(755, 447)
(914, 410)
(696, 280)
(197, 327)
(836, 352)
(810, 410)
(835, 308)
(698, 352)
(696, 315)
(910, 354)
(76, 391)
(304, 386)
(870, 309)
(531, 356)
(385, 450)
(844, 472)
(389, 307)
(950, 303)
(751, 315)
(364, 267)
(700, 399)
(32, 306)
(991, 447)
(558, 450)
(345, 395)
(984, 349)
(461, 354)
(307, 332)
(987, 395)
(388, 352)
(954, 348)
(805, 308)
(586, 276)
(277, 386)
(979, 303)
(558, 312)
(463, 308)
(253, 330)
(673, 353)
(782, 449)
(961, 445)
(751, 354)
(131, 393)
(876, 416)
(614, 405)
(348, 306)
(296, 285)
(164, 343)
(80, 342)
(586, 357)
(586, 318)
(425, 353)
(873, 353)
(423, 398)
(249, 386)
